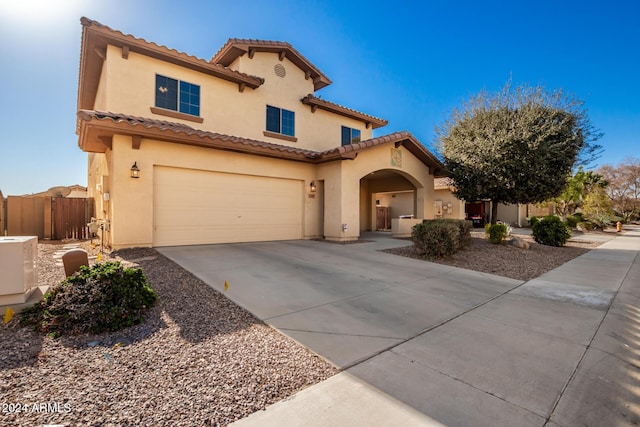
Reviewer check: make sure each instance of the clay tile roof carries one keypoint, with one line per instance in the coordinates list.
(315, 102)
(235, 48)
(97, 127)
(104, 124)
(96, 37)
(403, 138)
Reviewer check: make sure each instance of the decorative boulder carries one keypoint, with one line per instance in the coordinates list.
(519, 243)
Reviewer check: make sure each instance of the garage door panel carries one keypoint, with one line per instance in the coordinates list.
(199, 207)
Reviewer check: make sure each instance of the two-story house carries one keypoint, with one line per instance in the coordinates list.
(185, 151)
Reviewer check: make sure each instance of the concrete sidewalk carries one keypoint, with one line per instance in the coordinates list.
(434, 345)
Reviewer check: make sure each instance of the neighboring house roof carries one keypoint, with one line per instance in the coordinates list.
(316, 102)
(235, 48)
(96, 37)
(59, 191)
(96, 129)
(443, 184)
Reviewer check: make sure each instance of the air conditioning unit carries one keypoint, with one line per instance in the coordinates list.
(18, 258)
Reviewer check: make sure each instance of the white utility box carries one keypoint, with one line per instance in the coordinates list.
(18, 273)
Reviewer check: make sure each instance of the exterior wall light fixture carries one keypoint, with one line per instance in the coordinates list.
(135, 172)
(312, 186)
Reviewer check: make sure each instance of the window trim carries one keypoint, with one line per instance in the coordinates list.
(280, 136)
(171, 112)
(176, 114)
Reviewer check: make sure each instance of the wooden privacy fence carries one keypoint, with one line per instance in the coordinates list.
(70, 218)
(55, 218)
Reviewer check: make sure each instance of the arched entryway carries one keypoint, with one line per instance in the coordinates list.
(386, 194)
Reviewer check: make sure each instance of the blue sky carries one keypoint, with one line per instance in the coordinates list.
(409, 62)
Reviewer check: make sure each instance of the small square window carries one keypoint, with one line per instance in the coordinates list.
(281, 121)
(350, 136)
(185, 100)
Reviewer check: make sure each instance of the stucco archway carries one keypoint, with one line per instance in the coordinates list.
(392, 189)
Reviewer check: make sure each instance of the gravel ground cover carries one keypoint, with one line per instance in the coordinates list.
(507, 260)
(197, 360)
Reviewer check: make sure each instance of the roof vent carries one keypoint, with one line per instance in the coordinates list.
(279, 70)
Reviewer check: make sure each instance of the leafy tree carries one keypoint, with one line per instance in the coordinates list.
(518, 145)
(624, 187)
(597, 208)
(578, 187)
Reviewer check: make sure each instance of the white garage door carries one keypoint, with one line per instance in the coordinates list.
(198, 207)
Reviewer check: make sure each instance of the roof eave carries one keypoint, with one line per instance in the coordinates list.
(235, 48)
(95, 135)
(95, 39)
(405, 139)
(368, 120)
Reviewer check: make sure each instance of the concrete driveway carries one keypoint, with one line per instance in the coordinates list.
(344, 302)
(435, 345)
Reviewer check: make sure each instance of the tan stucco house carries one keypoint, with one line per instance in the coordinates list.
(239, 148)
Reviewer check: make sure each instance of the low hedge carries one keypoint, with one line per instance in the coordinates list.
(496, 233)
(551, 231)
(439, 238)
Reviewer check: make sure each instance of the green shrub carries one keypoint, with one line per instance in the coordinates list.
(496, 233)
(103, 297)
(464, 230)
(603, 220)
(534, 220)
(441, 237)
(551, 231)
(579, 215)
(573, 220)
(584, 226)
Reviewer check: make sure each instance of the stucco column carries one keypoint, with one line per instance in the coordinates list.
(350, 212)
(132, 198)
(420, 203)
(341, 205)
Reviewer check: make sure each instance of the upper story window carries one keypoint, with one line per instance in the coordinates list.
(350, 136)
(281, 121)
(177, 95)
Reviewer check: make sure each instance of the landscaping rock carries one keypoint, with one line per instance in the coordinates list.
(198, 359)
(507, 260)
(519, 243)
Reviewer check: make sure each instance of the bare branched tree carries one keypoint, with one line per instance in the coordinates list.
(624, 187)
